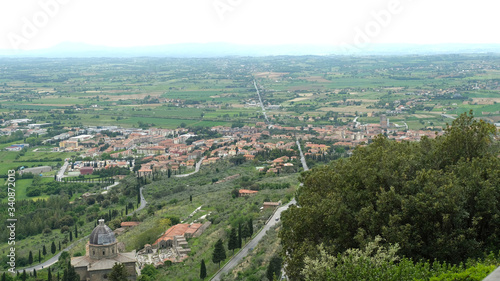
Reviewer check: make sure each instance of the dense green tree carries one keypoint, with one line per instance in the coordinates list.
(34, 273)
(434, 200)
(219, 253)
(240, 244)
(274, 268)
(245, 232)
(250, 227)
(9, 277)
(203, 270)
(44, 250)
(49, 274)
(39, 255)
(150, 271)
(233, 240)
(69, 273)
(70, 236)
(76, 231)
(30, 258)
(24, 275)
(53, 248)
(118, 272)
(467, 138)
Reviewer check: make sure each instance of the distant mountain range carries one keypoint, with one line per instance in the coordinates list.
(205, 50)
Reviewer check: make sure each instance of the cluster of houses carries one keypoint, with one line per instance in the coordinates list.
(172, 150)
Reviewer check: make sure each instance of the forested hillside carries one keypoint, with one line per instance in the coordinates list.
(434, 199)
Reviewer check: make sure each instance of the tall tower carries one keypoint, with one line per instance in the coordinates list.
(384, 122)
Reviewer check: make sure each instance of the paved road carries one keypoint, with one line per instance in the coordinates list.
(196, 169)
(448, 116)
(52, 260)
(356, 123)
(143, 202)
(60, 174)
(260, 100)
(113, 185)
(302, 158)
(494, 276)
(55, 258)
(253, 243)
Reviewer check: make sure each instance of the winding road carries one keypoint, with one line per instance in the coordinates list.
(55, 258)
(253, 243)
(196, 169)
(143, 204)
(235, 260)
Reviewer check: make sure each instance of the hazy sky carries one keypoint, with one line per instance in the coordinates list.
(29, 24)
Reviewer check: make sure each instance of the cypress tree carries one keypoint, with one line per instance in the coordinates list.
(233, 240)
(219, 253)
(118, 272)
(23, 276)
(70, 273)
(70, 236)
(76, 231)
(274, 268)
(44, 251)
(49, 276)
(30, 258)
(250, 227)
(53, 248)
(203, 270)
(34, 272)
(245, 233)
(59, 245)
(239, 235)
(39, 255)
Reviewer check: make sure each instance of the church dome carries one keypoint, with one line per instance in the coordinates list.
(102, 235)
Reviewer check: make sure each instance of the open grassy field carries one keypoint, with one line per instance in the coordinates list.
(171, 92)
(21, 185)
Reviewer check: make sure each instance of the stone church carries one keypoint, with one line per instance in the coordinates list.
(101, 255)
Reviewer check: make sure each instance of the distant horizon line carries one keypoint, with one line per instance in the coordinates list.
(248, 44)
(228, 49)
